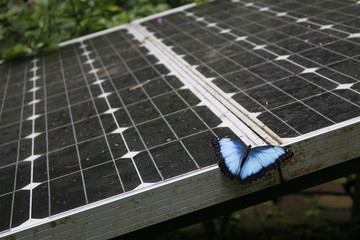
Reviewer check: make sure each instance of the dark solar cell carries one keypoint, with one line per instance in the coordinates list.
(40, 173)
(60, 137)
(302, 118)
(202, 154)
(274, 123)
(250, 104)
(333, 107)
(8, 153)
(66, 193)
(321, 55)
(335, 76)
(127, 171)
(172, 160)
(93, 152)
(21, 213)
(40, 206)
(153, 138)
(5, 208)
(269, 96)
(185, 123)
(7, 177)
(348, 67)
(23, 174)
(292, 86)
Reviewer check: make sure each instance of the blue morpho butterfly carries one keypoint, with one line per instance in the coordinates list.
(245, 164)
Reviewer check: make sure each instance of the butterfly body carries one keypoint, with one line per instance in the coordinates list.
(244, 163)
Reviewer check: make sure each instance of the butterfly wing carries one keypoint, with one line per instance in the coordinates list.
(230, 153)
(261, 159)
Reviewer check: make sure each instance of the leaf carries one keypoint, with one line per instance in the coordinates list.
(313, 212)
(18, 49)
(15, 11)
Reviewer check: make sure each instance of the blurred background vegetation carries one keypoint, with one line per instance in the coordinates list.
(34, 25)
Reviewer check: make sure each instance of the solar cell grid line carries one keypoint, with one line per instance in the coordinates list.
(239, 127)
(56, 169)
(281, 15)
(90, 63)
(188, 105)
(12, 103)
(286, 14)
(305, 21)
(264, 48)
(33, 135)
(156, 107)
(289, 61)
(91, 165)
(126, 110)
(54, 98)
(47, 180)
(323, 27)
(4, 92)
(308, 20)
(72, 126)
(12, 205)
(273, 53)
(181, 98)
(240, 90)
(229, 33)
(315, 6)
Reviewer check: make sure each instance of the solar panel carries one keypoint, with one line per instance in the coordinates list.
(111, 133)
(264, 53)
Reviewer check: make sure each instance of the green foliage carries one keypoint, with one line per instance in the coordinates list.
(268, 203)
(33, 25)
(315, 210)
(274, 213)
(343, 179)
(309, 199)
(312, 212)
(203, 1)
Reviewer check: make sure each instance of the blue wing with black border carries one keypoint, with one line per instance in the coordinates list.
(258, 161)
(261, 159)
(229, 153)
